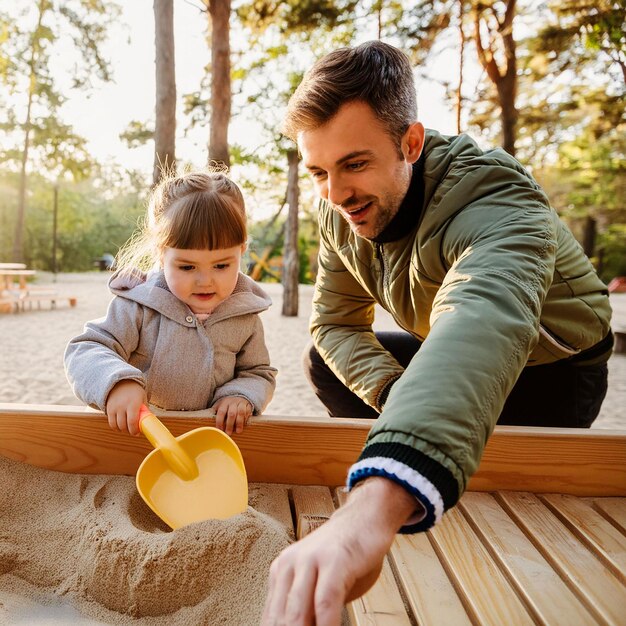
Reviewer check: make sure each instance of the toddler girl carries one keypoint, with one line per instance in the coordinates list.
(186, 335)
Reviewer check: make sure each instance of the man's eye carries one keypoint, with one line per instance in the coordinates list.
(318, 174)
(357, 165)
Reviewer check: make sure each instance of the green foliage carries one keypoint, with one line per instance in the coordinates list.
(296, 16)
(577, 30)
(573, 75)
(268, 235)
(137, 134)
(611, 248)
(308, 247)
(40, 138)
(94, 216)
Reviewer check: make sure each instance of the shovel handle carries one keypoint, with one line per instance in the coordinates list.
(162, 439)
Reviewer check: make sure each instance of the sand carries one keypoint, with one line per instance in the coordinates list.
(92, 541)
(86, 550)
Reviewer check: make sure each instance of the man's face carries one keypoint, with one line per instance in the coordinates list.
(202, 278)
(356, 166)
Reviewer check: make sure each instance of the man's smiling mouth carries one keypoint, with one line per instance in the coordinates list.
(359, 210)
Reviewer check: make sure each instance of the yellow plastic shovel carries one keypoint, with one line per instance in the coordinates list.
(199, 475)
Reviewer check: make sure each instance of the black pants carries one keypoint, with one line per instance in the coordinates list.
(563, 394)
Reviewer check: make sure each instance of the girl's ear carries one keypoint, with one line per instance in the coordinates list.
(244, 247)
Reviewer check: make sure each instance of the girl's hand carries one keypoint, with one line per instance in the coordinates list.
(123, 406)
(232, 413)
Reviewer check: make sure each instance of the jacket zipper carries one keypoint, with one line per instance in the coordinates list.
(380, 255)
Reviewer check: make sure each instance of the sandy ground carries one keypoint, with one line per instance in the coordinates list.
(32, 345)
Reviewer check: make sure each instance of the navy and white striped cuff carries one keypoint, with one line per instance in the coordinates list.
(414, 482)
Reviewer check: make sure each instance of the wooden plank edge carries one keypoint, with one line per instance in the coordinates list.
(316, 450)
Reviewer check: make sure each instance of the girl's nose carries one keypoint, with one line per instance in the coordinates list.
(204, 278)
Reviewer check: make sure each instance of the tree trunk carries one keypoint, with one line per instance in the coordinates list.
(18, 241)
(459, 91)
(589, 236)
(220, 80)
(504, 80)
(291, 261)
(507, 88)
(55, 220)
(165, 128)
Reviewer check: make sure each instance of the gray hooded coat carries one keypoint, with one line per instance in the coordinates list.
(150, 336)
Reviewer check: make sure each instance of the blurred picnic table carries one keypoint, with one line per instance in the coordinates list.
(10, 272)
(16, 293)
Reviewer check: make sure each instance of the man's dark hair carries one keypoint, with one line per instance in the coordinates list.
(374, 73)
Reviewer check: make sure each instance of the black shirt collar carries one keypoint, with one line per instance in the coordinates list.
(408, 215)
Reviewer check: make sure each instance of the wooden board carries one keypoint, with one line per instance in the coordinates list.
(312, 505)
(614, 510)
(577, 564)
(548, 599)
(316, 451)
(501, 558)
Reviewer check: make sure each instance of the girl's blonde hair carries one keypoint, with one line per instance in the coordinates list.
(193, 211)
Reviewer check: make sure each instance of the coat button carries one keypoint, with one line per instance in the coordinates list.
(189, 318)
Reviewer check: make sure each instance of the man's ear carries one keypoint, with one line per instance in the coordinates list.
(413, 142)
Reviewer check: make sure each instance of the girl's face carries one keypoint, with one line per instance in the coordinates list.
(202, 278)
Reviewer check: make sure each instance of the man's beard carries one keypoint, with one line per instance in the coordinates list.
(375, 222)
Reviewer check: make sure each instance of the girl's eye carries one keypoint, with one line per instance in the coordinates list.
(221, 266)
(186, 268)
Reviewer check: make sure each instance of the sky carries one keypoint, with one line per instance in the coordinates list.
(106, 111)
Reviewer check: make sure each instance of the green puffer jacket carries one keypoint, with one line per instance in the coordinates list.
(490, 280)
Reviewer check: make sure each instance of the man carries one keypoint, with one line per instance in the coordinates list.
(505, 318)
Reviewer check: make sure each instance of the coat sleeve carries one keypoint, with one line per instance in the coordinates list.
(97, 359)
(484, 323)
(341, 327)
(255, 379)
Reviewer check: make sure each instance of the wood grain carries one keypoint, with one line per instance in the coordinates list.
(548, 598)
(313, 505)
(614, 510)
(593, 530)
(316, 451)
(426, 584)
(484, 590)
(581, 569)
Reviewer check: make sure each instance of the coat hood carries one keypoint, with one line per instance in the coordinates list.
(151, 290)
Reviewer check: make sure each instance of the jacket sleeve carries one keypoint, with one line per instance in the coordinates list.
(255, 379)
(341, 327)
(500, 260)
(97, 359)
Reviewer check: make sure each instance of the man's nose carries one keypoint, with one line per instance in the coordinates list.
(337, 192)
